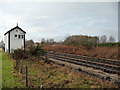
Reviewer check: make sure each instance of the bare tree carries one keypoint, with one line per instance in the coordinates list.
(52, 41)
(29, 42)
(103, 39)
(111, 39)
(47, 41)
(42, 41)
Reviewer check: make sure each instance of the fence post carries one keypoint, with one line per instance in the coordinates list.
(21, 66)
(16, 65)
(26, 76)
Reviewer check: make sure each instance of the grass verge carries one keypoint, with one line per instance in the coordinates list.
(8, 74)
(0, 68)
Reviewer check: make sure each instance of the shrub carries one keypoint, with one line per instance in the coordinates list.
(3, 48)
(36, 51)
(29, 43)
(18, 54)
(108, 44)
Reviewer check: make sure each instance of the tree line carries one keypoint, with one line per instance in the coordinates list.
(83, 40)
(86, 40)
(103, 39)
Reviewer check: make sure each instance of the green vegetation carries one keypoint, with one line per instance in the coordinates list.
(0, 68)
(18, 54)
(41, 74)
(29, 43)
(82, 40)
(46, 75)
(88, 41)
(36, 51)
(108, 44)
(9, 79)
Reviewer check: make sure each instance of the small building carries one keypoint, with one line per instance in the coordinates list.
(14, 39)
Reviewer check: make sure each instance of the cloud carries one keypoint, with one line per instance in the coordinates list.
(55, 20)
(60, 1)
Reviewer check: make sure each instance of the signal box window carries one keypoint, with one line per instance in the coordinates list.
(19, 36)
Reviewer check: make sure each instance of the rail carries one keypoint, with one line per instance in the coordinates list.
(106, 65)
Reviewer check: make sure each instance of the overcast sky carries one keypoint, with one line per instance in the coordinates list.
(60, 19)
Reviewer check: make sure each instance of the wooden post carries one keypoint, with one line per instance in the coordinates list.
(26, 76)
(16, 64)
(21, 66)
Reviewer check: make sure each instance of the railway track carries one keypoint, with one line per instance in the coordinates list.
(109, 66)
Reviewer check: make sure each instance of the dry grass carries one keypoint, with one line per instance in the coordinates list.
(100, 52)
(45, 75)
